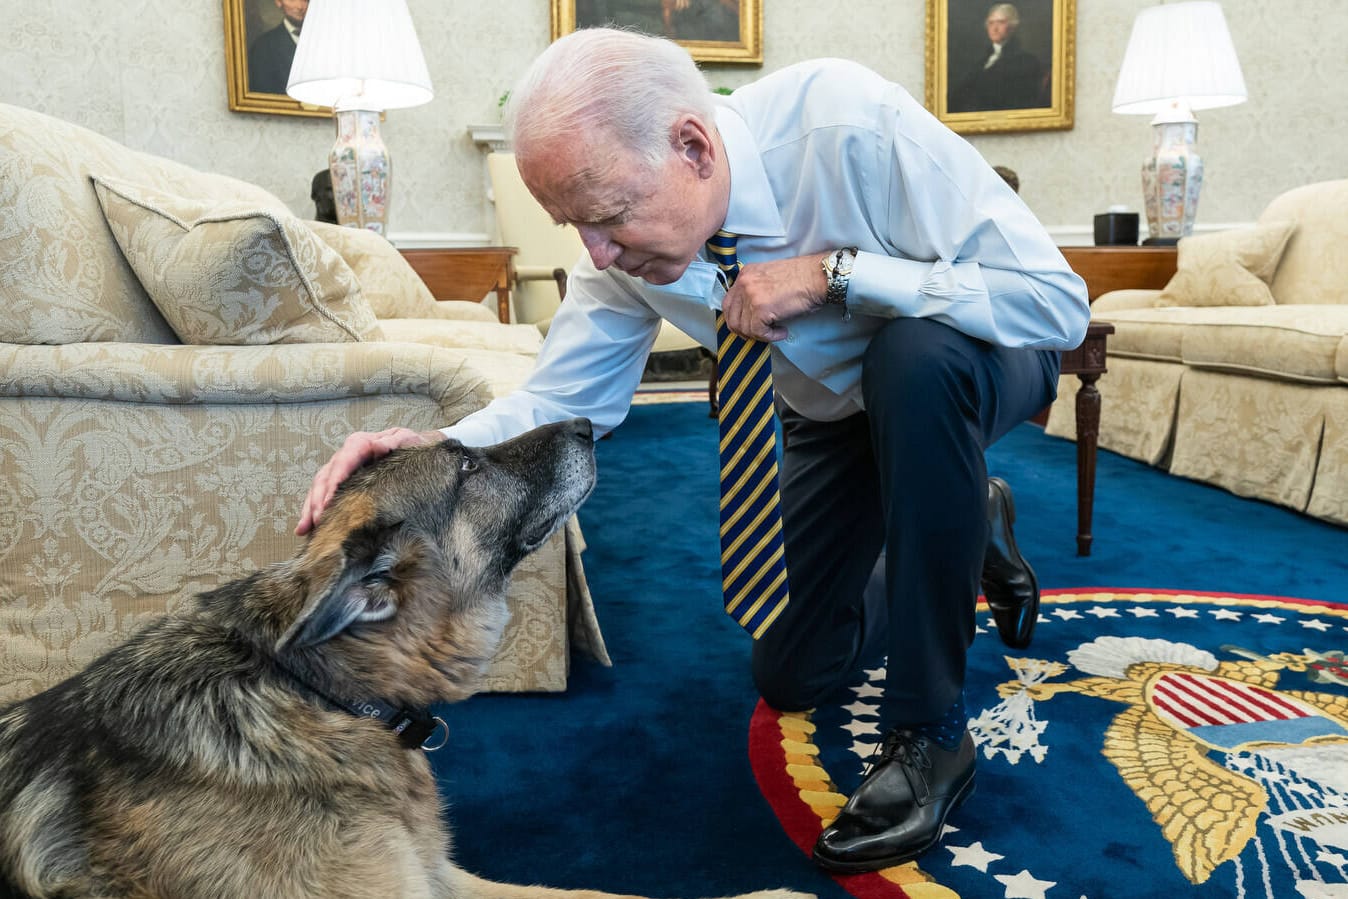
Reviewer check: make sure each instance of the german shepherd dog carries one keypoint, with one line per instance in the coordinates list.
(266, 743)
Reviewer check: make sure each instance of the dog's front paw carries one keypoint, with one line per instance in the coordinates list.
(778, 894)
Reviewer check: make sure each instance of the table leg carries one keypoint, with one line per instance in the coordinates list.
(1088, 435)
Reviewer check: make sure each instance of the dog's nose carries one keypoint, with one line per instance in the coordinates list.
(581, 427)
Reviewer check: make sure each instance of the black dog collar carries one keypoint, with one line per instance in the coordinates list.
(414, 727)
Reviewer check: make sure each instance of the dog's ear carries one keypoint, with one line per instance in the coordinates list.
(360, 593)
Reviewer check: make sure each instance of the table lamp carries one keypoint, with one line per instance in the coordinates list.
(1179, 59)
(360, 57)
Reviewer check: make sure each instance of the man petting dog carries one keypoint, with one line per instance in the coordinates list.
(914, 308)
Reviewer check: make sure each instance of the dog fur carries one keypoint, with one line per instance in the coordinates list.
(191, 762)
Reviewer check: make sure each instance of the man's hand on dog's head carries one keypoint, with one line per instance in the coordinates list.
(358, 449)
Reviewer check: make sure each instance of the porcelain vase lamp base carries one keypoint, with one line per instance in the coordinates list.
(1171, 180)
(361, 171)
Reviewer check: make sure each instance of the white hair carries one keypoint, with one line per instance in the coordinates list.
(610, 83)
(1009, 10)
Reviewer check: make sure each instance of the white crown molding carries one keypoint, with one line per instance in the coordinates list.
(429, 240)
(1084, 235)
(489, 138)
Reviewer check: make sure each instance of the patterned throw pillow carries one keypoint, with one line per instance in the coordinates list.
(1229, 268)
(234, 273)
(391, 287)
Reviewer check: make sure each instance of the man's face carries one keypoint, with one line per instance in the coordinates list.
(650, 225)
(293, 10)
(999, 28)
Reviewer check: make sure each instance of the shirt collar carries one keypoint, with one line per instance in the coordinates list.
(753, 208)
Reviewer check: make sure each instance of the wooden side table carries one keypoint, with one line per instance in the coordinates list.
(1087, 362)
(1117, 268)
(1103, 269)
(467, 273)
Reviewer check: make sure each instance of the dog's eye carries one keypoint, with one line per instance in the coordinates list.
(381, 576)
(468, 464)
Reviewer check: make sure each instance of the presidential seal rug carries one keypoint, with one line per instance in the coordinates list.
(1147, 744)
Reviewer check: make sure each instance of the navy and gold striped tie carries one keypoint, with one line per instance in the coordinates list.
(753, 562)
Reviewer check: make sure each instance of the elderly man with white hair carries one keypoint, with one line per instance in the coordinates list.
(911, 310)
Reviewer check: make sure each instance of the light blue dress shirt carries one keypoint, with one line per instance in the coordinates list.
(822, 154)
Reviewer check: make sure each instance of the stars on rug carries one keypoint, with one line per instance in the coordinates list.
(1024, 885)
(865, 724)
(1103, 612)
(974, 856)
(858, 709)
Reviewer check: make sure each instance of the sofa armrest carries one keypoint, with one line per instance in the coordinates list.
(218, 375)
(135, 475)
(1115, 300)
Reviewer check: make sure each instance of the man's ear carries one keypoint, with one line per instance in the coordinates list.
(694, 144)
(358, 594)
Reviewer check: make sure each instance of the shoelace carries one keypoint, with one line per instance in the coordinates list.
(900, 745)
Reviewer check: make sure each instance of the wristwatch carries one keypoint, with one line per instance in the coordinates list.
(837, 268)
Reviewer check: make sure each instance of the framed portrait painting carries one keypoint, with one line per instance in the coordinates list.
(260, 38)
(725, 31)
(1001, 66)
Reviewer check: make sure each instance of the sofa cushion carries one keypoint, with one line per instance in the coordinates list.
(1148, 333)
(1126, 298)
(1295, 343)
(237, 272)
(1229, 268)
(523, 340)
(392, 287)
(1314, 267)
(62, 278)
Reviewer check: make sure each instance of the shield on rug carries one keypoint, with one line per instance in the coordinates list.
(1148, 744)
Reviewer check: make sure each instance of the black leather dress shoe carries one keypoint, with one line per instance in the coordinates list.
(1008, 580)
(899, 810)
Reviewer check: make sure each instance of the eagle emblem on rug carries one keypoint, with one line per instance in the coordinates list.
(1181, 705)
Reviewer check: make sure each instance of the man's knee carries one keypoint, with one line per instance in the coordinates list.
(920, 359)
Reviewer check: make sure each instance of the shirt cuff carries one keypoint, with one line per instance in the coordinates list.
(886, 286)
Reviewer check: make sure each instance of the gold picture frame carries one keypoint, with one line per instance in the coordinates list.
(719, 31)
(246, 21)
(1015, 92)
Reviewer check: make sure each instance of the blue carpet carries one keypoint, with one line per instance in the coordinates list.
(638, 779)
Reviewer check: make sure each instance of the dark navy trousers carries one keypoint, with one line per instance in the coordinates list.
(907, 476)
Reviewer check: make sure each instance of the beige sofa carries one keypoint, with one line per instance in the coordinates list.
(178, 355)
(1236, 373)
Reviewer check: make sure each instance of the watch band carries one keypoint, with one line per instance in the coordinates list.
(837, 268)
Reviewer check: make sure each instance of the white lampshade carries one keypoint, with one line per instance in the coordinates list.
(1180, 51)
(359, 54)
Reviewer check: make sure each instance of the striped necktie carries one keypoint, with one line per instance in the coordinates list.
(753, 563)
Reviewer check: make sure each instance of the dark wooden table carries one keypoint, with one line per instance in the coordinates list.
(1087, 362)
(467, 273)
(1118, 268)
(1103, 269)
